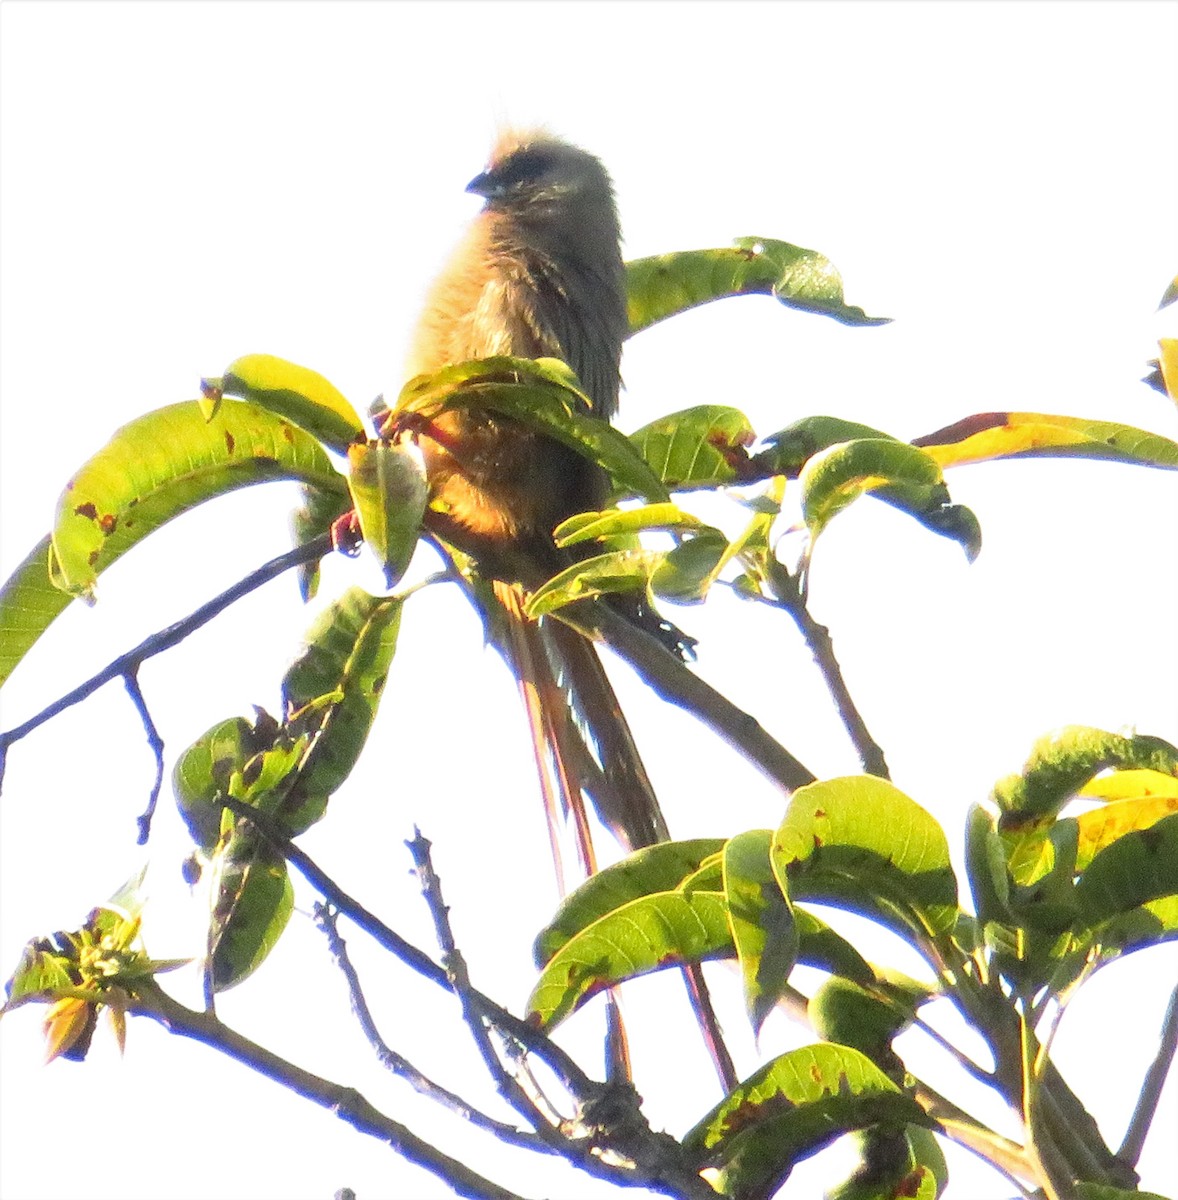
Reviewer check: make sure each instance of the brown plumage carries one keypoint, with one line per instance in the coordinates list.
(539, 274)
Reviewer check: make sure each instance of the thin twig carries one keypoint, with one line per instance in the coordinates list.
(562, 1065)
(326, 918)
(345, 1102)
(459, 978)
(609, 1118)
(817, 637)
(156, 744)
(1151, 1090)
(127, 664)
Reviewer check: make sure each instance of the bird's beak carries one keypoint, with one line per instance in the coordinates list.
(485, 185)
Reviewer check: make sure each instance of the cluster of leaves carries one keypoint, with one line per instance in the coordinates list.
(1055, 896)
(95, 968)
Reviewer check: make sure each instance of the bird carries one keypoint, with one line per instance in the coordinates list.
(539, 274)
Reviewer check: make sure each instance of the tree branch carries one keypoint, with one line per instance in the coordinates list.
(817, 637)
(1151, 1089)
(326, 918)
(346, 1103)
(156, 743)
(459, 980)
(126, 665)
(671, 679)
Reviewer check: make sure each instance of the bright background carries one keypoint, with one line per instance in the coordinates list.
(185, 183)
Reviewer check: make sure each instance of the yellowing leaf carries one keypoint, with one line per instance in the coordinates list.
(1130, 785)
(1104, 825)
(297, 393)
(987, 436)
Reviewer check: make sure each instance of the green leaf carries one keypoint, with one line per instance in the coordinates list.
(660, 868)
(389, 489)
(790, 448)
(616, 523)
(43, 970)
(253, 900)
(698, 447)
(317, 513)
(895, 1166)
(903, 475)
(761, 918)
(688, 571)
(618, 571)
(1043, 868)
(165, 463)
(29, 604)
(1152, 923)
(1063, 761)
(1149, 924)
(985, 865)
(860, 843)
(819, 946)
(331, 692)
(202, 773)
(662, 286)
(1138, 867)
(791, 1108)
(539, 393)
(988, 436)
(297, 394)
(655, 931)
(1102, 826)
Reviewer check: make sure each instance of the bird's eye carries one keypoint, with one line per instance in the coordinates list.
(524, 166)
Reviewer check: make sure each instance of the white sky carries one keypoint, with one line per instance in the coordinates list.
(185, 183)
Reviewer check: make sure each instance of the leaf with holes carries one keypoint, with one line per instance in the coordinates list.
(163, 464)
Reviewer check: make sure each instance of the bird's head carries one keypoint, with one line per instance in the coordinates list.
(533, 172)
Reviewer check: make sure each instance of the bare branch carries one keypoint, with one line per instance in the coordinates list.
(508, 1087)
(126, 665)
(156, 743)
(1151, 1089)
(346, 1103)
(789, 597)
(565, 1069)
(327, 920)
